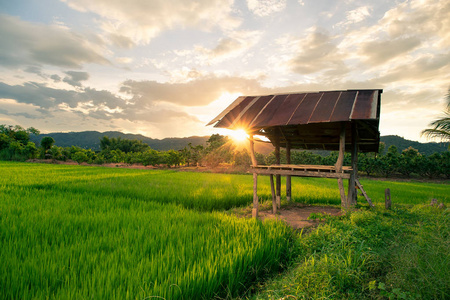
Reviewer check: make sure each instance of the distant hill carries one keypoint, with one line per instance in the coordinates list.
(402, 144)
(91, 139)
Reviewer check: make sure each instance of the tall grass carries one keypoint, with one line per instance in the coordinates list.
(61, 240)
(376, 254)
(90, 232)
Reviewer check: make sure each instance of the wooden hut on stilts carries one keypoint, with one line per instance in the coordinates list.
(329, 120)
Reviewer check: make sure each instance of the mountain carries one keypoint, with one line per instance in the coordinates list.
(91, 139)
(424, 148)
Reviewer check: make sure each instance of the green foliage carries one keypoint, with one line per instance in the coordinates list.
(242, 159)
(91, 140)
(377, 254)
(440, 128)
(219, 150)
(15, 143)
(47, 142)
(124, 145)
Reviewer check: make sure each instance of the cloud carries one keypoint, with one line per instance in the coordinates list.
(141, 21)
(75, 78)
(427, 19)
(200, 91)
(264, 8)
(315, 53)
(33, 70)
(355, 16)
(121, 41)
(380, 52)
(20, 114)
(55, 78)
(235, 44)
(31, 44)
(45, 97)
(427, 69)
(409, 26)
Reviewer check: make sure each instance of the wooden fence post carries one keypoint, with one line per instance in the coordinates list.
(387, 199)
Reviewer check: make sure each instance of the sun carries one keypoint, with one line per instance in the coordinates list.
(238, 136)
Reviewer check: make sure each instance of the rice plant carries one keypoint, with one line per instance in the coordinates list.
(62, 236)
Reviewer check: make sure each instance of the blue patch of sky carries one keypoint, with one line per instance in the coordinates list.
(47, 12)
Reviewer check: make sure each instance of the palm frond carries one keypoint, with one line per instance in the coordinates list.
(440, 128)
(436, 133)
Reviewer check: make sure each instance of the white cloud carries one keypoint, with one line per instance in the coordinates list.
(30, 44)
(141, 21)
(355, 16)
(264, 8)
(316, 52)
(198, 92)
(235, 44)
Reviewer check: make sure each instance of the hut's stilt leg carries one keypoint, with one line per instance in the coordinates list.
(255, 179)
(339, 164)
(255, 196)
(342, 192)
(288, 177)
(272, 188)
(288, 188)
(352, 194)
(278, 177)
(278, 184)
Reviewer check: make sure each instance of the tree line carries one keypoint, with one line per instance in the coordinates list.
(219, 150)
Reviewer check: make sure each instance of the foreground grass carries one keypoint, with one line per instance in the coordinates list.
(399, 254)
(77, 232)
(61, 240)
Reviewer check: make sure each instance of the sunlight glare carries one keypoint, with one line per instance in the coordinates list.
(238, 135)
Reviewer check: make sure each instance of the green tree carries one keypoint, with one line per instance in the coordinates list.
(80, 157)
(242, 159)
(445, 164)
(56, 152)
(389, 163)
(123, 145)
(216, 141)
(47, 142)
(440, 128)
(408, 161)
(195, 154)
(218, 151)
(15, 143)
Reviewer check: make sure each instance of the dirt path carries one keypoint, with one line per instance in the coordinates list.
(296, 215)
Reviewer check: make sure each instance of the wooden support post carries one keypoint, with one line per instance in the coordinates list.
(339, 164)
(387, 199)
(255, 179)
(364, 192)
(272, 189)
(352, 194)
(288, 177)
(278, 177)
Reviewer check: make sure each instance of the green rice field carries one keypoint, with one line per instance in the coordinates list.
(75, 232)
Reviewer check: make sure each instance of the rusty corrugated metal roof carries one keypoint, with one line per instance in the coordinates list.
(253, 112)
(291, 115)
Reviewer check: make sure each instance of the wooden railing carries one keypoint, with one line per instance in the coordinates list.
(302, 171)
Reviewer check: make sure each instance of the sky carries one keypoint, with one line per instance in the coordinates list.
(165, 68)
